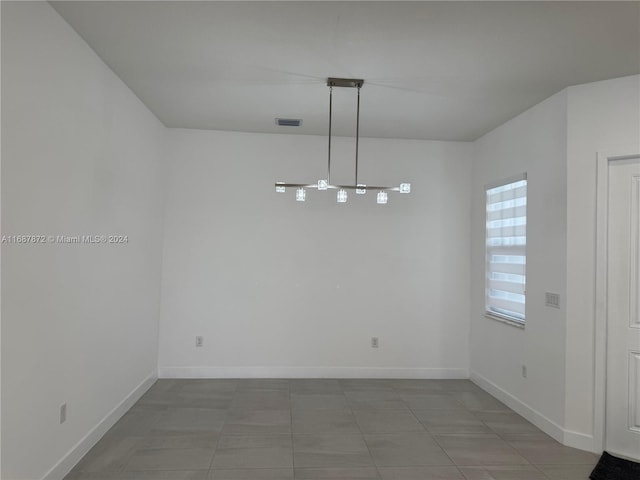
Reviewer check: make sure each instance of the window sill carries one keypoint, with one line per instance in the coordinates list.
(513, 323)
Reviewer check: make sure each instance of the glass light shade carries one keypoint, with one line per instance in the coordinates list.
(322, 185)
(301, 194)
(405, 188)
(280, 188)
(361, 189)
(342, 196)
(382, 198)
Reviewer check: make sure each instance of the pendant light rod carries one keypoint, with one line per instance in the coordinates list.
(330, 116)
(357, 132)
(345, 187)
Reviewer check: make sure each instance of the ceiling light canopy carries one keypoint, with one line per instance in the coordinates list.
(325, 184)
(288, 122)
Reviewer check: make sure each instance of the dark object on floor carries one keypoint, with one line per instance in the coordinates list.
(614, 468)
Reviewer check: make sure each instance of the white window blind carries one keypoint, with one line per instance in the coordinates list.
(506, 246)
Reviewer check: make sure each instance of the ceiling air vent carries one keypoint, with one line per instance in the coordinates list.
(289, 122)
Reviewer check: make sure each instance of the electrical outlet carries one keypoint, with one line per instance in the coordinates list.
(374, 342)
(199, 341)
(524, 371)
(63, 413)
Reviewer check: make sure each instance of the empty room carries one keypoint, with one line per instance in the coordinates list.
(320, 240)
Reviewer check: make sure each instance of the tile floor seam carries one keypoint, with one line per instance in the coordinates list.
(470, 435)
(293, 448)
(215, 448)
(365, 441)
(435, 440)
(445, 452)
(540, 470)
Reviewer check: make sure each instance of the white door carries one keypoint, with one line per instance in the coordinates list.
(623, 309)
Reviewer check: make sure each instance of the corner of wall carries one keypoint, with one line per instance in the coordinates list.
(534, 142)
(548, 426)
(80, 449)
(601, 116)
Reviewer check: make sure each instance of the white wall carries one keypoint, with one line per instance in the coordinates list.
(557, 143)
(0, 261)
(277, 288)
(535, 143)
(80, 155)
(281, 288)
(603, 116)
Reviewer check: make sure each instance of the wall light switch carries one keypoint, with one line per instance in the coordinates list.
(552, 300)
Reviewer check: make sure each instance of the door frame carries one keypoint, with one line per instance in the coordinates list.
(604, 161)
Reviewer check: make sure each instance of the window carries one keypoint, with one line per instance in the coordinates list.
(506, 245)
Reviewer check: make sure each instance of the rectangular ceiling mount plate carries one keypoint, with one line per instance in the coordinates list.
(289, 122)
(344, 82)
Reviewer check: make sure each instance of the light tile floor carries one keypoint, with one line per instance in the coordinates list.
(326, 429)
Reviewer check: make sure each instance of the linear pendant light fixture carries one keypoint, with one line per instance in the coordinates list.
(325, 184)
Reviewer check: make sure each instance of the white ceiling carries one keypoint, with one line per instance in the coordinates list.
(432, 70)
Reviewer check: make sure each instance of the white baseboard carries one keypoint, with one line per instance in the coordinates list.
(543, 423)
(581, 441)
(566, 437)
(79, 450)
(311, 372)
